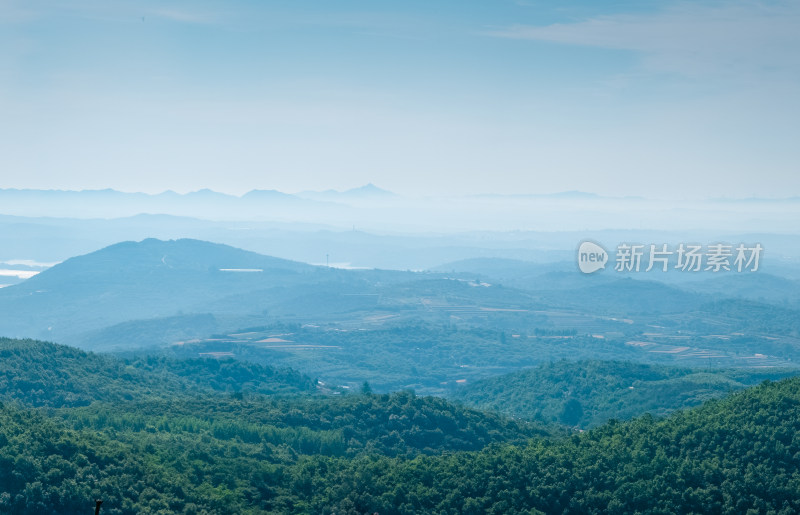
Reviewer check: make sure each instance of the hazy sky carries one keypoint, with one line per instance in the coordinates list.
(652, 98)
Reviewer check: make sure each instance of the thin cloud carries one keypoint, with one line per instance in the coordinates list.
(690, 39)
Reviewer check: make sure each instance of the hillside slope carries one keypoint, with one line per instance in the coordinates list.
(46, 374)
(737, 455)
(134, 280)
(589, 393)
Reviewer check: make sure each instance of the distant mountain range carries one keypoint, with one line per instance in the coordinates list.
(367, 192)
(371, 208)
(203, 203)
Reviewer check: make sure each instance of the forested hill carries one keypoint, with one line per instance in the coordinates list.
(46, 374)
(737, 455)
(589, 393)
(198, 436)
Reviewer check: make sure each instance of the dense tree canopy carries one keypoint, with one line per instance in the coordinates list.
(188, 448)
(588, 393)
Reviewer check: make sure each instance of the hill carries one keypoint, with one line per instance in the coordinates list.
(589, 393)
(38, 373)
(197, 436)
(559, 285)
(426, 357)
(762, 287)
(153, 292)
(737, 455)
(202, 296)
(367, 454)
(133, 280)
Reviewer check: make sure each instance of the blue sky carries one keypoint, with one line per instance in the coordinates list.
(658, 99)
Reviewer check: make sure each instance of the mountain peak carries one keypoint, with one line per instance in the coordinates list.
(368, 189)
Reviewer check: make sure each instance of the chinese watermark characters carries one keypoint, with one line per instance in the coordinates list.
(684, 257)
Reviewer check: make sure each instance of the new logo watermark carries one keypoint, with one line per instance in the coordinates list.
(684, 257)
(591, 257)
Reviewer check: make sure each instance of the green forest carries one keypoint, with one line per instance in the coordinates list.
(155, 435)
(588, 393)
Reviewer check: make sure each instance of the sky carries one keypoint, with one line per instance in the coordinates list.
(659, 99)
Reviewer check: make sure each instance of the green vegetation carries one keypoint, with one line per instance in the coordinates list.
(45, 374)
(750, 316)
(738, 455)
(246, 453)
(428, 358)
(589, 393)
(198, 436)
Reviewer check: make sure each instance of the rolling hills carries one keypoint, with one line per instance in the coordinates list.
(589, 393)
(139, 280)
(43, 374)
(397, 329)
(737, 455)
(196, 436)
(204, 451)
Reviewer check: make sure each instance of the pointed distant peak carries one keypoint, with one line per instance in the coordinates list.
(368, 189)
(207, 194)
(205, 191)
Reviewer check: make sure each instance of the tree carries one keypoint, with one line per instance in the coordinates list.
(366, 389)
(572, 413)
